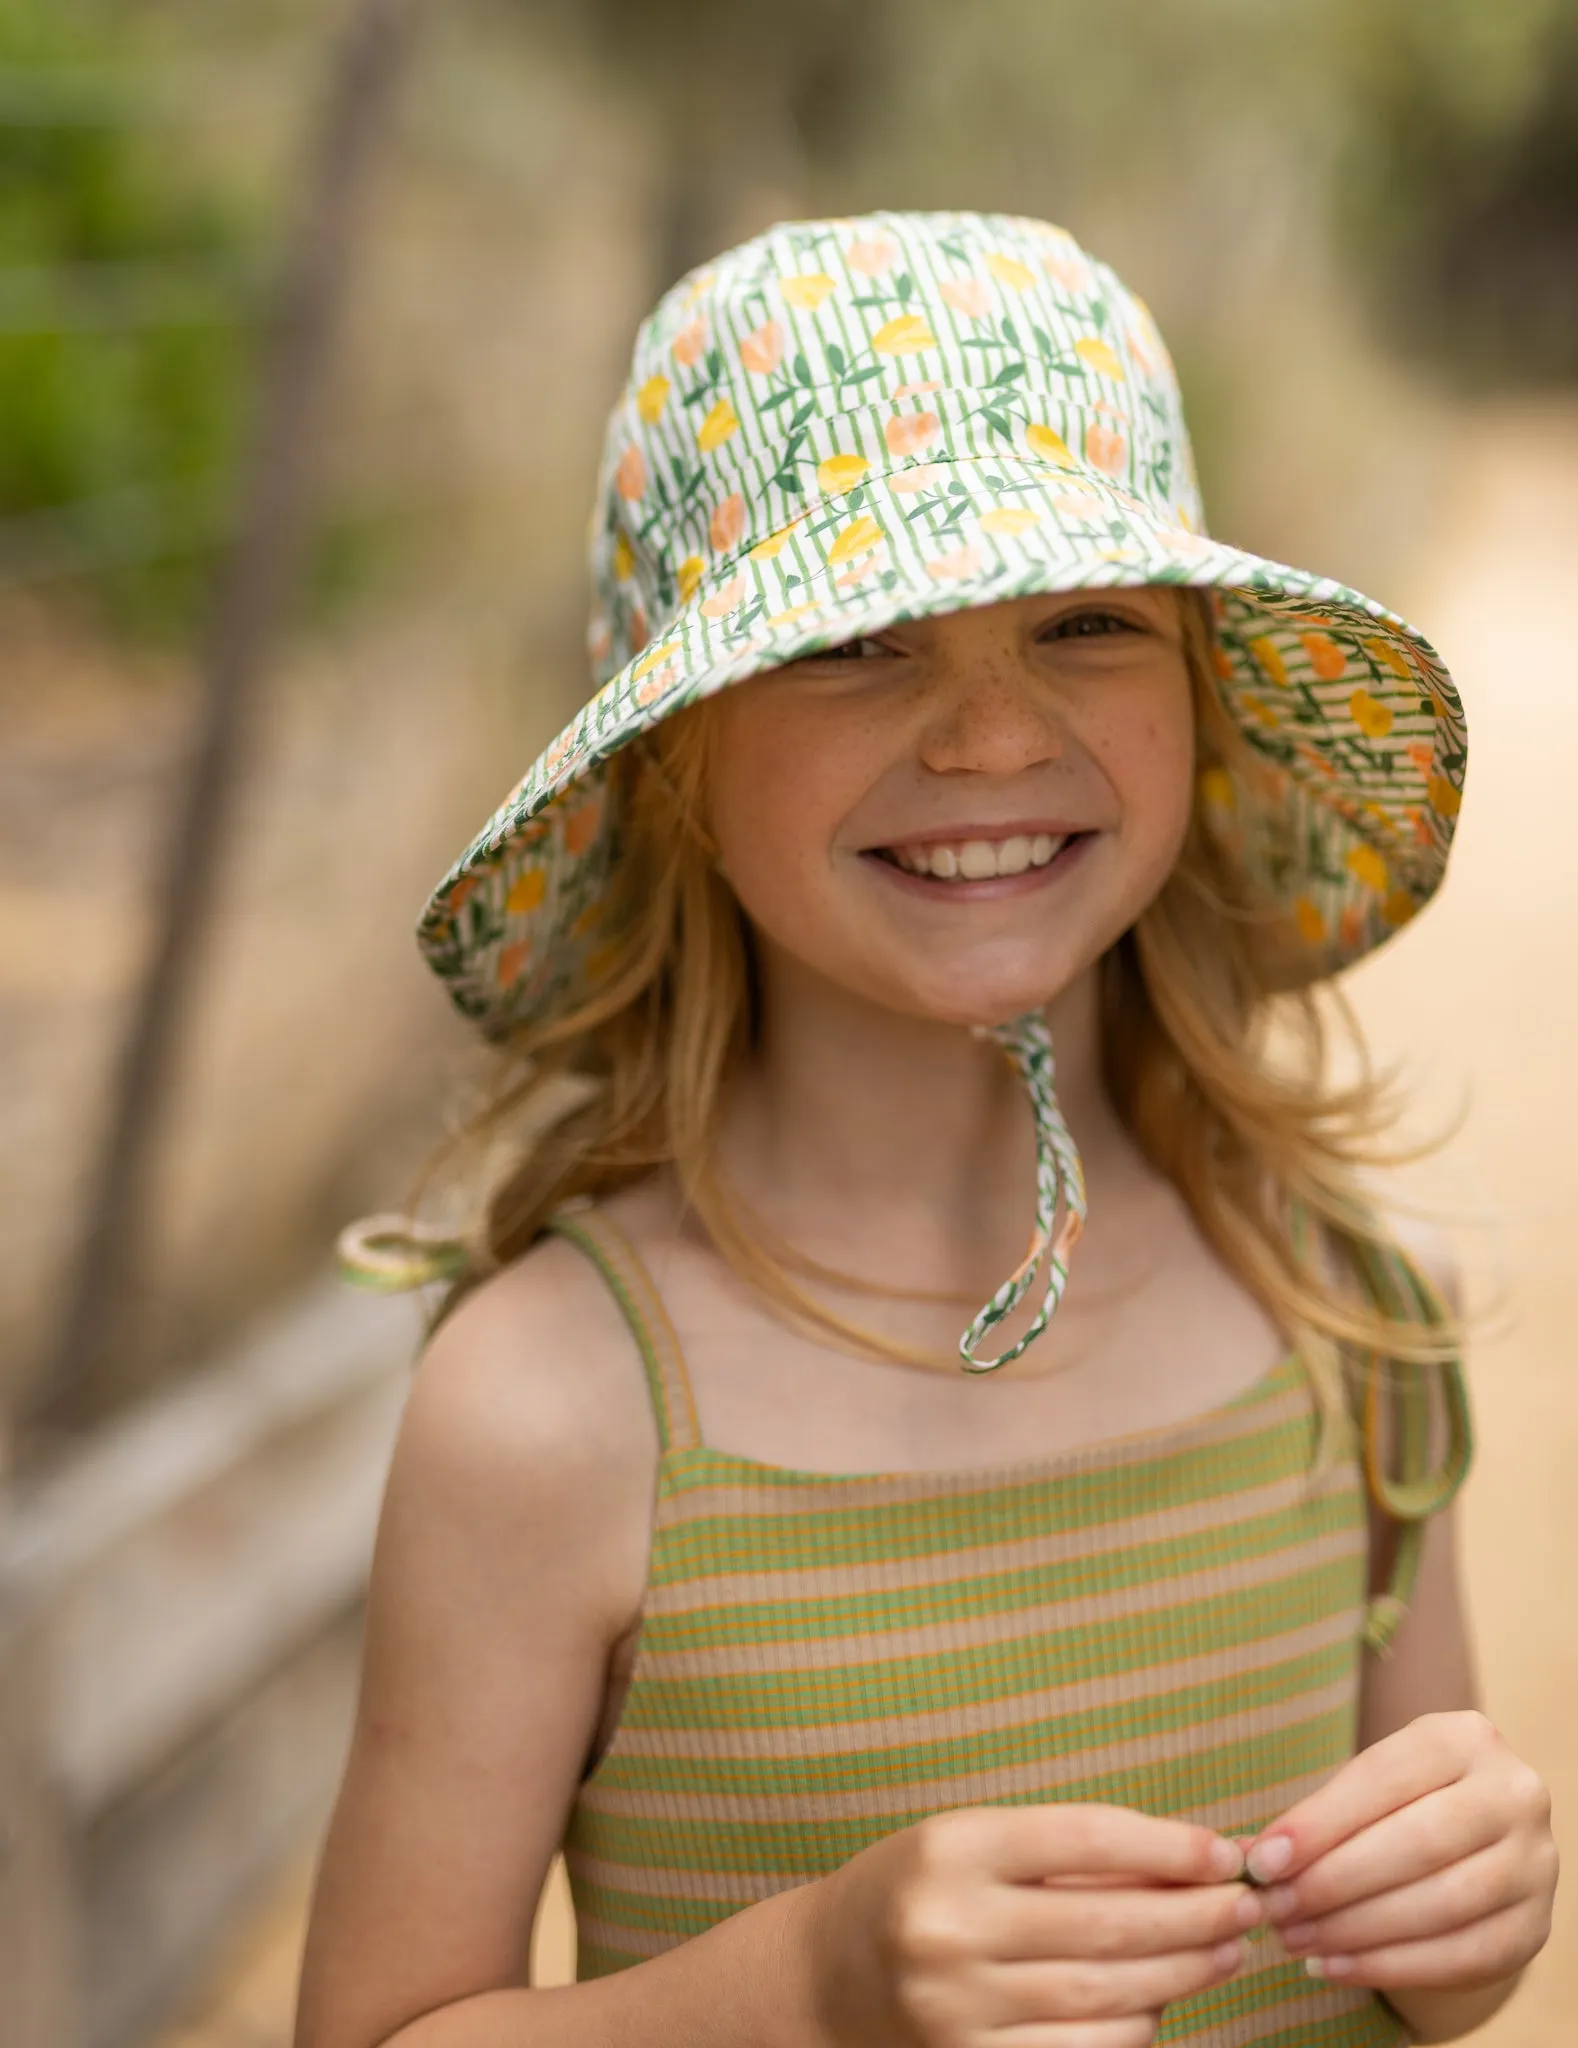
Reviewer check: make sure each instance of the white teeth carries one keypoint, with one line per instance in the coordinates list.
(978, 860)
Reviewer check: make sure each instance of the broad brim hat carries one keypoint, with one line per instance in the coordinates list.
(843, 424)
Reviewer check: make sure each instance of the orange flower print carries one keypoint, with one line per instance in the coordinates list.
(966, 295)
(1350, 928)
(1105, 448)
(762, 350)
(689, 343)
(640, 632)
(1326, 657)
(580, 826)
(600, 641)
(630, 478)
(655, 682)
(726, 600)
(911, 433)
(1423, 755)
(1312, 926)
(873, 255)
(958, 564)
(466, 887)
(512, 959)
(911, 481)
(918, 390)
(726, 528)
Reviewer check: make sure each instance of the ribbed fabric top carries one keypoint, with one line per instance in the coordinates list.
(1170, 1621)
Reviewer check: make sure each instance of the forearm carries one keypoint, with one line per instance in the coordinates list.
(1448, 2015)
(745, 1983)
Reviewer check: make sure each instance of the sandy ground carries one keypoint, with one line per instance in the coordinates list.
(1478, 1000)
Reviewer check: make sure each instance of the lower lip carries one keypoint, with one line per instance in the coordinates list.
(992, 886)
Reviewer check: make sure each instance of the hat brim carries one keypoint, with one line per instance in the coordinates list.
(1340, 810)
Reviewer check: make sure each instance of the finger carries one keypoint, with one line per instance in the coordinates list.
(1078, 1990)
(1491, 1948)
(1455, 1897)
(1038, 1923)
(1434, 1751)
(1431, 1834)
(1029, 1842)
(1137, 2030)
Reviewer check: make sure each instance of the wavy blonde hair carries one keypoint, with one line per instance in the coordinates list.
(1216, 1066)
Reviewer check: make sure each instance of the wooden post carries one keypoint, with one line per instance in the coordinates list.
(252, 604)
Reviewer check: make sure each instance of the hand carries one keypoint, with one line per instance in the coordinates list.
(1050, 1926)
(1426, 1862)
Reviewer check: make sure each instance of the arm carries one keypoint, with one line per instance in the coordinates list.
(1426, 1866)
(511, 1555)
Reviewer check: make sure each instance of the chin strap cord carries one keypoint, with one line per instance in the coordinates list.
(1060, 1184)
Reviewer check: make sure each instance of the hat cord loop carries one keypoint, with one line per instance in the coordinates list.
(1060, 1181)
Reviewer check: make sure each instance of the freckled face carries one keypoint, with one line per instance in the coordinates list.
(955, 817)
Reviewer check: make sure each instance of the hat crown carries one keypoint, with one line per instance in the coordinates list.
(824, 352)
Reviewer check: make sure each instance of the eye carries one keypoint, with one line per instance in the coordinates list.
(1089, 625)
(864, 647)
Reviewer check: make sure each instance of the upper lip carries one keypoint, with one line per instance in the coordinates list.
(958, 835)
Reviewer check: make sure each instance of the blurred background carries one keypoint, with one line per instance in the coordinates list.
(310, 315)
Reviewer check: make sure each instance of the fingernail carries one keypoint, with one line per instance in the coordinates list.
(1329, 1966)
(1247, 1911)
(1280, 1900)
(1227, 1858)
(1314, 1967)
(1268, 1859)
(1298, 1935)
(1228, 1956)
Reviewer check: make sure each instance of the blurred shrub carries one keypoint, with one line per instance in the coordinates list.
(124, 311)
(1459, 191)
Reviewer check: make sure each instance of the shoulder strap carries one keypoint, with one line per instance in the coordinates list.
(634, 1289)
(1414, 1489)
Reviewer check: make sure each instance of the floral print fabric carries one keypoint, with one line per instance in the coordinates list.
(845, 423)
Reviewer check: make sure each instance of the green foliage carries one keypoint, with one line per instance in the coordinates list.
(124, 322)
(1459, 191)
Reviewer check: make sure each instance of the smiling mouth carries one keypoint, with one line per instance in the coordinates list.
(977, 860)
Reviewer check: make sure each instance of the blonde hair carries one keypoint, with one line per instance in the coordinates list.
(1215, 1065)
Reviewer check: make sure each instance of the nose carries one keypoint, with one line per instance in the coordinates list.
(989, 717)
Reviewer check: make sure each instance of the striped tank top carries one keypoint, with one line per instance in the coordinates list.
(1171, 1622)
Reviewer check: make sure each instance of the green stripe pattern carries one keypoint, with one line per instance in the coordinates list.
(1170, 1622)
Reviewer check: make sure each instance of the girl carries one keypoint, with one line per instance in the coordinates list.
(880, 1703)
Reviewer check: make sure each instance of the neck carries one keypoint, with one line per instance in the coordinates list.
(901, 1148)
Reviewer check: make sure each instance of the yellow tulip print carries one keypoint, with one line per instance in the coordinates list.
(898, 337)
(1100, 356)
(1009, 519)
(841, 472)
(1010, 271)
(1367, 866)
(1312, 926)
(720, 423)
(624, 556)
(855, 538)
(1049, 445)
(1373, 718)
(765, 550)
(1217, 789)
(1445, 798)
(808, 290)
(688, 575)
(1269, 656)
(652, 397)
(526, 892)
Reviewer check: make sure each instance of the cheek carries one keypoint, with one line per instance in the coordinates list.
(1146, 747)
(778, 796)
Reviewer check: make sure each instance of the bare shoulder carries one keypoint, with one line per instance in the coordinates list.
(533, 1375)
(511, 1558)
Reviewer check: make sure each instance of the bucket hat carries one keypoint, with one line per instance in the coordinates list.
(843, 424)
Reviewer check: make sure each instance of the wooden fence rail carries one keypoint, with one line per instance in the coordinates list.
(179, 1631)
